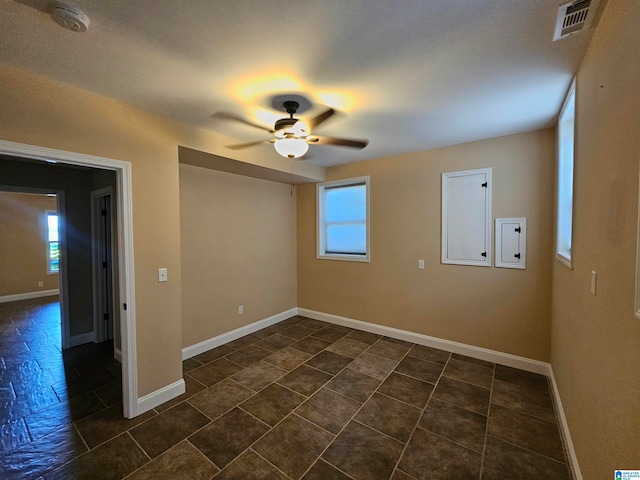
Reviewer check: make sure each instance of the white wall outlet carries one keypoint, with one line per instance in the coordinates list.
(420, 264)
(41, 284)
(594, 278)
(240, 310)
(162, 275)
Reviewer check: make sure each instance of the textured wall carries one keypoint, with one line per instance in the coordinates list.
(596, 339)
(501, 309)
(238, 242)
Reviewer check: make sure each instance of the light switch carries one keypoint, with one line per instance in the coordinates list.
(420, 264)
(162, 275)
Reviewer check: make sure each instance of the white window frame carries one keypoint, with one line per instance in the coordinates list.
(47, 213)
(321, 224)
(565, 174)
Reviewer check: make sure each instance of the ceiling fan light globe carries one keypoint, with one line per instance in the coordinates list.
(291, 147)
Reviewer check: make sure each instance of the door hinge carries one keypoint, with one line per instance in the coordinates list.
(517, 255)
(484, 254)
(485, 184)
(124, 306)
(519, 230)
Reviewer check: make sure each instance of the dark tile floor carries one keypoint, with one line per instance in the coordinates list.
(301, 399)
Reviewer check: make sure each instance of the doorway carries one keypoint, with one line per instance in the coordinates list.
(104, 257)
(122, 203)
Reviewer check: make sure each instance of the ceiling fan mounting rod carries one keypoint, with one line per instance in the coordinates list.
(291, 107)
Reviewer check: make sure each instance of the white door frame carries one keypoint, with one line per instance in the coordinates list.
(125, 253)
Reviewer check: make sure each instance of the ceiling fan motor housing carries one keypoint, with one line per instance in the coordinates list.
(290, 127)
(285, 123)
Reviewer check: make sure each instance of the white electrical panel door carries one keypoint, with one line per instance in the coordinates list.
(511, 243)
(466, 217)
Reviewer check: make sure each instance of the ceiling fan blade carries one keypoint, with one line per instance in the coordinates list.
(237, 118)
(238, 146)
(341, 142)
(318, 119)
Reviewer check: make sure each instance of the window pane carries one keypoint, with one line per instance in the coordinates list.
(52, 227)
(566, 126)
(342, 220)
(347, 239)
(54, 257)
(346, 204)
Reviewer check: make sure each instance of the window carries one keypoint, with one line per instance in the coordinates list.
(53, 245)
(566, 127)
(343, 220)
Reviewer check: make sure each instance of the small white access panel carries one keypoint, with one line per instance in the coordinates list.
(511, 243)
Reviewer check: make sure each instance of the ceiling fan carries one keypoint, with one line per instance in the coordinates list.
(292, 136)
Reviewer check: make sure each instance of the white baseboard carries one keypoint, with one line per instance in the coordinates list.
(501, 358)
(214, 342)
(117, 354)
(160, 396)
(564, 429)
(26, 296)
(81, 339)
(522, 363)
(507, 359)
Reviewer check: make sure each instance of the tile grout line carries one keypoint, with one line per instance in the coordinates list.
(271, 428)
(526, 414)
(531, 451)
(360, 408)
(84, 442)
(486, 428)
(140, 446)
(265, 459)
(397, 465)
(250, 447)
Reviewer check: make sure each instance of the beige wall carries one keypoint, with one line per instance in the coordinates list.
(23, 243)
(238, 244)
(40, 112)
(48, 114)
(596, 339)
(500, 309)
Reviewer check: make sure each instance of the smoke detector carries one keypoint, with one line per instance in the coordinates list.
(574, 17)
(69, 17)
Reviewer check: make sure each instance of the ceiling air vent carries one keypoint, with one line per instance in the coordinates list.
(574, 17)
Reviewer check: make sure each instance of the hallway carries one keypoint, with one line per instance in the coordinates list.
(43, 390)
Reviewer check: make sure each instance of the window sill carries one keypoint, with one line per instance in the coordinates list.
(345, 258)
(566, 261)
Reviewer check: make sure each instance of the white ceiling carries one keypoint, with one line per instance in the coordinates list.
(409, 75)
